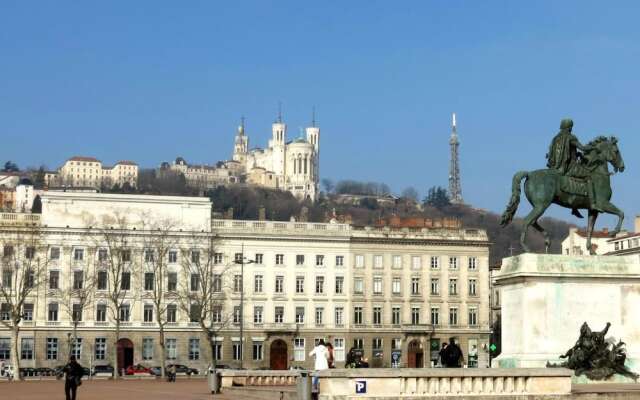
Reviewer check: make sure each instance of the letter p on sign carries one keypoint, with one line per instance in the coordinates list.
(361, 387)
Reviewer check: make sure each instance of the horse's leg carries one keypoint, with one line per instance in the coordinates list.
(609, 208)
(547, 240)
(531, 220)
(593, 215)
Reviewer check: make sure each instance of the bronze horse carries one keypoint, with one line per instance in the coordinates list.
(546, 186)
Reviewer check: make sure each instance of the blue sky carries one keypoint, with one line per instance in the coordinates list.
(151, 80)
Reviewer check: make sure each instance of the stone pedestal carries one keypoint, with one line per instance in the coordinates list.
(546, 298)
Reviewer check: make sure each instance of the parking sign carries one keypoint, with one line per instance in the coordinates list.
(361, 387)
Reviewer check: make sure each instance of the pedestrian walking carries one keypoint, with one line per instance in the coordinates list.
(321, 363)
(442, 355)
(453, 355)
(73, 378)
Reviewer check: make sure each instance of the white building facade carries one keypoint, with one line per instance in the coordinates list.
(82, 171)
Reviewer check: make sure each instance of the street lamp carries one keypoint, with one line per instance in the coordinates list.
(242, 261)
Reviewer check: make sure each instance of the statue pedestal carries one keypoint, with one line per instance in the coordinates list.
(546, 298)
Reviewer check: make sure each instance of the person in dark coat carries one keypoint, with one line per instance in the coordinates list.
(453, 354)
(73, 378)
(443, 355)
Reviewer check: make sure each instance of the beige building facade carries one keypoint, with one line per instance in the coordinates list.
(394, 295)
(81, 171)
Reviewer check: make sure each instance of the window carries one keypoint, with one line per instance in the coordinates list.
(357, 315)
(415, 315)
(27, 312)
(358, 285)
(100, 348)
(359, 261)
(216, 314)
(149, 280)
(26, 349)
(319, 260)
(279, 315)
(173, 256)
(339, 284)
(299, 284)
(29, 253)
(257, 351)
(217, 283)
(148, 313)
(435, 316)
(258, 258)
(453, 316)
(195, 256)
(298, 349)
(257, 284)
(52, 348)
(172, 349)
(125, 281)
(279, 284)
(217, 348)
(102, 280)
(319, 284)
(126, 255)
(30, 278)
(195, 282)
(7, 250)
(125, 313)
(415, 285)
(453, 286)
(396, 343)
(78, 279)
(147, 349)
(257, 314)
(377, 315)
(396, 261)
(149, 256)
(53, 312)
(473, 316)
(338, 349)
(473, 261)
(54, 280)
(377, 285)
(472, 287)
(236, 314)
(217, 258)
(319, 315)
(76, 313)
(299, 315)
(416, 262)
(435, 262)
(358, 343)
(194, 312)
(7, 278)
(76, 348)
(339, 261)
(237, 283)
(300, 259)
(339, 316)
(172, 281)
(102, 255)
(376, 344)
(396, 285)
(395, 316)
(279, 259)
(194, 349)
(5, 348)
(435, 286)
(101, 312)
(453, 262)
(55, 254)
(238, 258)
(236, 350)
(78, 254)
(5, 312)
(377, 261)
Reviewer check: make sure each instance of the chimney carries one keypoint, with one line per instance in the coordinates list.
(637, 227)
(262, 213)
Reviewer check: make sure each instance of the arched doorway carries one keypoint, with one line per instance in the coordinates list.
(125, 354)
(415, 354)
(278, 355)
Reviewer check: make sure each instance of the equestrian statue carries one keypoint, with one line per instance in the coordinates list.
(577, 177)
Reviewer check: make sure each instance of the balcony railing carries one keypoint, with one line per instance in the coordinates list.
(19, 219)
(273, 226)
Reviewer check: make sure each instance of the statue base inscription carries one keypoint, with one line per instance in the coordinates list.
(546, 298)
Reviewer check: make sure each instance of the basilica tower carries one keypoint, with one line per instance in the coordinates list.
(455, 188)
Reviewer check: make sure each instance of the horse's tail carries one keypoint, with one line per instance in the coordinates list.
(507, 215)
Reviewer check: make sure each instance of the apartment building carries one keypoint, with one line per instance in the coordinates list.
(80, 171)
(394, 295)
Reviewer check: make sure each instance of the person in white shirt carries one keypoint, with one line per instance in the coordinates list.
(322, 356)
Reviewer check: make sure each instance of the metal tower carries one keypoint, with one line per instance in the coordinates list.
(455, 189)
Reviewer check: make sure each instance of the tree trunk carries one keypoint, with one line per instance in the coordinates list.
(163, 352)
(212, 344)
(15, 359)
(74, 337)
(115, 351)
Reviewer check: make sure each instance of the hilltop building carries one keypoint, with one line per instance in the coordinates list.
(89, 172)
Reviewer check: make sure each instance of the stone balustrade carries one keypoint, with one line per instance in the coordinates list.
(19, 219)
(258, 378)
(437, 382)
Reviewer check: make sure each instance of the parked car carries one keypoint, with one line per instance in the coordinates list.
(102, 369)
(137, 370)
(44, 371)
(28, 372)
(183, 369)
(154, 371)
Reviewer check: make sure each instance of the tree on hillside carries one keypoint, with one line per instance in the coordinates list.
(437, 197)
(328, 185)
(410, 193)
(10, 166)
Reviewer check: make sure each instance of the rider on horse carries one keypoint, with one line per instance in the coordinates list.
(563, 157)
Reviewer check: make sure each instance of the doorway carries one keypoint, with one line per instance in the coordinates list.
(278, 355)
(125, 354)
(415, 355)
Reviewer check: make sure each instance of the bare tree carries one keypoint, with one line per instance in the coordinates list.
(24, 265)
(203, 292)
(78, 298)
(115, 243)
